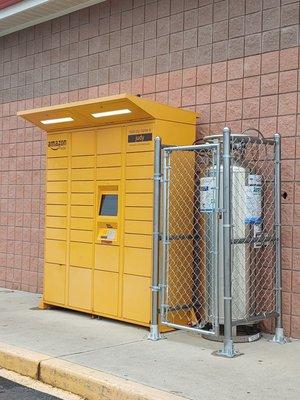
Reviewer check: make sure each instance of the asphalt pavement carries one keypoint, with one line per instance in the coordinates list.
(10, 390)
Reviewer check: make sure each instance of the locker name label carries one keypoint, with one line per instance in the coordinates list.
(57, 144)
(140, 137)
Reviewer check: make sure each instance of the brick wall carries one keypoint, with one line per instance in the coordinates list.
(236, 62)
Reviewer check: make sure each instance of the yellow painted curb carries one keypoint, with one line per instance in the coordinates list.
(95, 385)
(22, 361)
(85, 382)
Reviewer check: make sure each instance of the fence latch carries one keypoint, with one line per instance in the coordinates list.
(157, 288)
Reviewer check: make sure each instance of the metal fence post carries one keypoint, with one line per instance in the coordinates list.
(165, 234)
(279, 334)
(228, 348)
(217, 243)
(154, 328)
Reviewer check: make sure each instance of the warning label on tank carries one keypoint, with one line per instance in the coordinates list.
(253, 204)
(254, 179)
(207, 194)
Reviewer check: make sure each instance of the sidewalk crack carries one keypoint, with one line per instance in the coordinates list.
(100, 348)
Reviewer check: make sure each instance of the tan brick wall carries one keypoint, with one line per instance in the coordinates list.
(235, 62)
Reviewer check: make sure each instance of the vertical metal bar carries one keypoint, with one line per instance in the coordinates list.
(165, 234)
(216, 241)
(228, 348)
(279, 334)
(154, 327)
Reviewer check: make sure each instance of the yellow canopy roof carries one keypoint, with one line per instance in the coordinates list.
(120, 108)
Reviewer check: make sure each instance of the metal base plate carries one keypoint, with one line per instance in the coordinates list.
(220, 353)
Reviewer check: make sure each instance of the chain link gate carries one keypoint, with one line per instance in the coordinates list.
(190, 232)
(217, 245)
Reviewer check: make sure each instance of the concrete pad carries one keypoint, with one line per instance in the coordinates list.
(181, 365)
(57, 332)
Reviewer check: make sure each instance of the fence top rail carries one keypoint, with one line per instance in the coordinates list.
(239, 138)
(193, 147)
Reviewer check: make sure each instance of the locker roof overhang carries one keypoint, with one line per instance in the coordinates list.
(117, 109)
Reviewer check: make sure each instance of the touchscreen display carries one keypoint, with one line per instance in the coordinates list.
(109, 205)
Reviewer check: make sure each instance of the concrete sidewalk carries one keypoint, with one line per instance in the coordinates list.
(181, 365)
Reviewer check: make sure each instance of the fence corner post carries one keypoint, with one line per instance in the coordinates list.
(279, 333)
(154, 333)
(228, 347)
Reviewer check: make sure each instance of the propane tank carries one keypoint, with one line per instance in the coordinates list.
(246, 200)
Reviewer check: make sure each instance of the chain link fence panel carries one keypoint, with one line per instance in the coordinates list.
(253, 229)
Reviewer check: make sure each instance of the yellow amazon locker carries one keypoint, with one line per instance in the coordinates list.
(99, 201)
